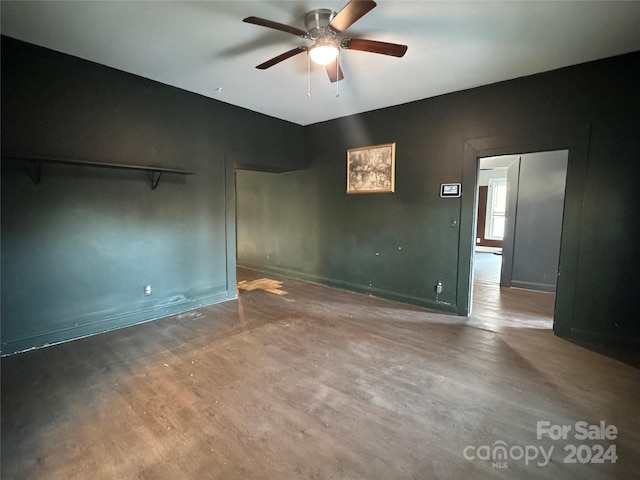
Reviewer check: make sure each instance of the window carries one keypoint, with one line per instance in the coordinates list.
(496, 208)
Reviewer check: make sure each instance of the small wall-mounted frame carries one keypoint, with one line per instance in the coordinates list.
(450, 190)
(371, 169)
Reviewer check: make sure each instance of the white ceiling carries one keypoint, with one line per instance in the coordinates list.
(204, 46)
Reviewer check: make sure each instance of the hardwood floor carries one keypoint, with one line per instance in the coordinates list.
(496, 308)
(316, 383)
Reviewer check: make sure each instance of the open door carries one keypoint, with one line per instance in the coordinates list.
(513, 177)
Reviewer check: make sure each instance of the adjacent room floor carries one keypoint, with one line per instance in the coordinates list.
(300, 381)
(495, 307)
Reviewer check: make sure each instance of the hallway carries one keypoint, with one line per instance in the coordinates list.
(496, 308)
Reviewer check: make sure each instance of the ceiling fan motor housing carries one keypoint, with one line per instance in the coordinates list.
(317, 23)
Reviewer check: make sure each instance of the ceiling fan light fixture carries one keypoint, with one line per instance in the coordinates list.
(323, 54)
(325, 28)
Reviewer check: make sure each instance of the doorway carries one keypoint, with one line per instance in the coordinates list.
(519, 214)
(491, 204)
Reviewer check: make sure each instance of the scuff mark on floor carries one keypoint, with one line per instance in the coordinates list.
(266, 284)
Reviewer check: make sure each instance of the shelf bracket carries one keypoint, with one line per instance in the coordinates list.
(154, 178)
(34, 170)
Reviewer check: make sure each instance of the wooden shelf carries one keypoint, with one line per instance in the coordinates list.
(35, 164)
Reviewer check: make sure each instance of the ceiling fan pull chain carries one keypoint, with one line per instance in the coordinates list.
(308, 77)
(338, 74)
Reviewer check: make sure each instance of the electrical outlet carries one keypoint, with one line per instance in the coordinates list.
(439, 287)
(147, 290)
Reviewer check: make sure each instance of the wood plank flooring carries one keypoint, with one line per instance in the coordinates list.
(496, 308)
(317, 383)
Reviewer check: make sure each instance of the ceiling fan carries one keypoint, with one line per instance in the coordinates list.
(325, 28)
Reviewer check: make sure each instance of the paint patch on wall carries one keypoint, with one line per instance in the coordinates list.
(266, 284)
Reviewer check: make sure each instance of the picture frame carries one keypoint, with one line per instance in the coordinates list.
(371, 169)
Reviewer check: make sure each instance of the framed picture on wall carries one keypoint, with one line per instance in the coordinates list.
(371, 169)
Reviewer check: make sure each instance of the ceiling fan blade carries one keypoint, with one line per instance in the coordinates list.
(351, 13)
(334, 71)
(276, 26)
(281, 57)
(373, 46)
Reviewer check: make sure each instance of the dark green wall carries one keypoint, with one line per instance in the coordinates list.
(399, 245)
(78, 249)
